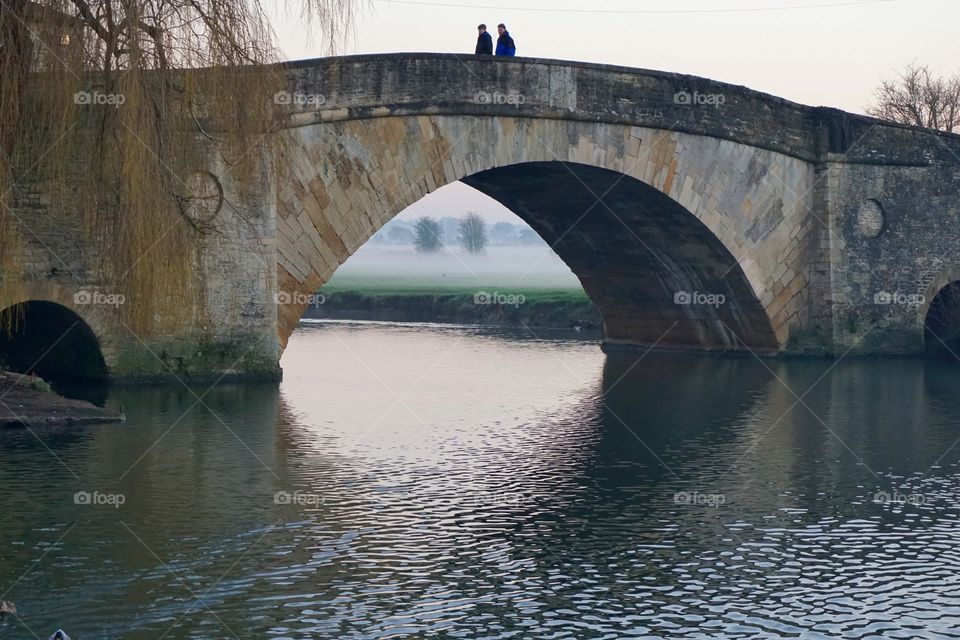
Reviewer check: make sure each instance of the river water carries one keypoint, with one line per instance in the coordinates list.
(450, 482)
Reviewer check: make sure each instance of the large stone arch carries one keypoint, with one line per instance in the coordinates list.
(343, 180)
(658, 275)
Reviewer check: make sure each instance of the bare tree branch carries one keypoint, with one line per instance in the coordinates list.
(920, 98)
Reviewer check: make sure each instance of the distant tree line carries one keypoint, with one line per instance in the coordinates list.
(471, 233)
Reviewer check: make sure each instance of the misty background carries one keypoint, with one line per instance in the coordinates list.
(515, 255)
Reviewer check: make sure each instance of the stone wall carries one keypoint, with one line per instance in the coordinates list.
(802, 216)
(230, 331)
(894, 249)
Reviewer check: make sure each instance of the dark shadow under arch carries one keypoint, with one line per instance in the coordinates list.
(51, 341)
(642, 257)
(941, 327)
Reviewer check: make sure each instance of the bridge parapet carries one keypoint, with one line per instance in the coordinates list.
(370, 86)
(358, 87)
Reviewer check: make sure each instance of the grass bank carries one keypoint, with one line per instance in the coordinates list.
(453, 300)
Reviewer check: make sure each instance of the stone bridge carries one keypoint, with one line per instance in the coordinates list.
(696, 214)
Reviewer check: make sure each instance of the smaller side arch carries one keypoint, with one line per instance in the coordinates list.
(933, 282)
(50, 340)
(940, 317)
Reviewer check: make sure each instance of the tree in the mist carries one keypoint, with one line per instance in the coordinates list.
(426, 235)
(399, 235)
(919, 97)
(503, 233)
(103, 103)
(472, 233)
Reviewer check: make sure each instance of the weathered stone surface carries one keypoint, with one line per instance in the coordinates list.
(648, 184)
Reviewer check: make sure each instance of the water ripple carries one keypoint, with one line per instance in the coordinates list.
(419, 481)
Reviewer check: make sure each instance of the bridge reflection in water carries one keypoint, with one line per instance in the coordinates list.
(417, 480)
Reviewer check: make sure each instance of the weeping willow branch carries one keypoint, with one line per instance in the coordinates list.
(109, 106)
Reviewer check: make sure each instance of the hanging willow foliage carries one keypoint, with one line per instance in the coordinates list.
(108, 107)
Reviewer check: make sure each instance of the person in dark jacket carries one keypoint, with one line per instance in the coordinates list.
(484, 42)
(505, 44)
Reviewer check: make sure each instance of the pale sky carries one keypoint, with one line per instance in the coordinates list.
(817, 52)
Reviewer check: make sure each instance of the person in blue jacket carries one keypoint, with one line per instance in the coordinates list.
(484, 42)
(505, 44)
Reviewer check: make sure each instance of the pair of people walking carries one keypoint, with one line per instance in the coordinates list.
(505, 44)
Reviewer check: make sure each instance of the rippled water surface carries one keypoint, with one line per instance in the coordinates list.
(425, 481)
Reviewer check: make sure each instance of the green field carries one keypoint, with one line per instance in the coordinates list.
(418, 285)
(438, 298)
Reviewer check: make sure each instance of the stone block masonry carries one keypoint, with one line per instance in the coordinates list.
(696, 214)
